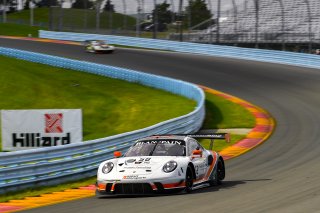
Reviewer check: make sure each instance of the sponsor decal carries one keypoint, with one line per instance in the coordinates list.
(36, 140)
(27, 129)
(130, 160)
(53, 123)
(160, 142)
(137, 167)
(134, 177)
(141, 160)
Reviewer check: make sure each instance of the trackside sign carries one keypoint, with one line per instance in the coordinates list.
(29, 129)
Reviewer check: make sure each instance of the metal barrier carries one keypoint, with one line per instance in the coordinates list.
(54, 165)
(273, 56)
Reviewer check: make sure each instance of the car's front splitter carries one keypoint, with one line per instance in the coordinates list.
(134, 188)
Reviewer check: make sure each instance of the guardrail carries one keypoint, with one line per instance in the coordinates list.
(54, 165)
(280, 57)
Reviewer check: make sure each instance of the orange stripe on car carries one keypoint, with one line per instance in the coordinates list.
(212, 165)
(101, 187)
(112, 187)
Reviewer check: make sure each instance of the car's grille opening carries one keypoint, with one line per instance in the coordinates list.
(133, 188)
(108, 187)
(159, 186)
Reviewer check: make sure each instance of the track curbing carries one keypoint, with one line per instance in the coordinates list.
(259, 134)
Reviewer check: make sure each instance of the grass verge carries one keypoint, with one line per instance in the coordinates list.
(86, 19)
(109, 106)
(9, 29)
(222, 114)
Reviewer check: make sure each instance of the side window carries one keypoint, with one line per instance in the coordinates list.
(192, 146)
(199, 146)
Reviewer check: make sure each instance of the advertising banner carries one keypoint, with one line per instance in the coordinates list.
(29, 129)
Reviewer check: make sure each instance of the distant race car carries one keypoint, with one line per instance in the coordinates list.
(98, 46)
(160, 164)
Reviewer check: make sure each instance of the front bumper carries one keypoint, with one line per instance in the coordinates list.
(138, 187)
(104, 50)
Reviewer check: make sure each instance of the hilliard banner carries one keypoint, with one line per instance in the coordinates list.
(29, 129)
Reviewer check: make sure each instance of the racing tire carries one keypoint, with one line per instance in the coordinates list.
(217, 176)
(189, 180)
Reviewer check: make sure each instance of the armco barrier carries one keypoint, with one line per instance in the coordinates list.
(281, 57)
(54, 165)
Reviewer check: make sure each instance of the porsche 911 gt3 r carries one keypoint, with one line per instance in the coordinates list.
(98, 46)
(160, 164)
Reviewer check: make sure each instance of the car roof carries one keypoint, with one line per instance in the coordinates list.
(165, 137)
(94, 40)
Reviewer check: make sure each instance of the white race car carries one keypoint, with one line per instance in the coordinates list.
(160, 164)
(98, 46)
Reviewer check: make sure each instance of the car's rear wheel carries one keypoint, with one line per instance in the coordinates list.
(189, 180)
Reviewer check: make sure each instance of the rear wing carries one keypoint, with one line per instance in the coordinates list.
(213, 136)
(225, 136)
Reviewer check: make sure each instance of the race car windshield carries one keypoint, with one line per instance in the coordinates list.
(98, 43)
(157, 148)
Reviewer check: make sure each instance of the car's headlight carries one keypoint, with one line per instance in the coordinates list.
(107, 167)
(170, 166)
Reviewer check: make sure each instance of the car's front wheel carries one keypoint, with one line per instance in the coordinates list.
(189, 180)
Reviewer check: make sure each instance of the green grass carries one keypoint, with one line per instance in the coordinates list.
(41, 16)
(72, 18)
(9, 29)
(20, 22)
(109, 106)
(222, 114)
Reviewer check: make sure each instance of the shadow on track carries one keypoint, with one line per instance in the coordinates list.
(224, 185)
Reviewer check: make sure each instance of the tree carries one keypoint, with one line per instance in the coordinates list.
(163, 13)
(82, 4)
(198, 12)
(109, 6)
(26, 5)
(47, 3)
(11, 5)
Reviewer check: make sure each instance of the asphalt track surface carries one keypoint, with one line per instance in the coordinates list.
(282, 175)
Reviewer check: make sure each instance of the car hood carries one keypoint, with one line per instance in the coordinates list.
(142, 165)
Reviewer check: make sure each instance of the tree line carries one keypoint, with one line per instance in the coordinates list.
(193, 14)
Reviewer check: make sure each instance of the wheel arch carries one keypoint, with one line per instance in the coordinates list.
(192, 170)
(224, 168)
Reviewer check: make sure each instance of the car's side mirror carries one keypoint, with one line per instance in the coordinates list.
(117, 154)
(196, 153)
